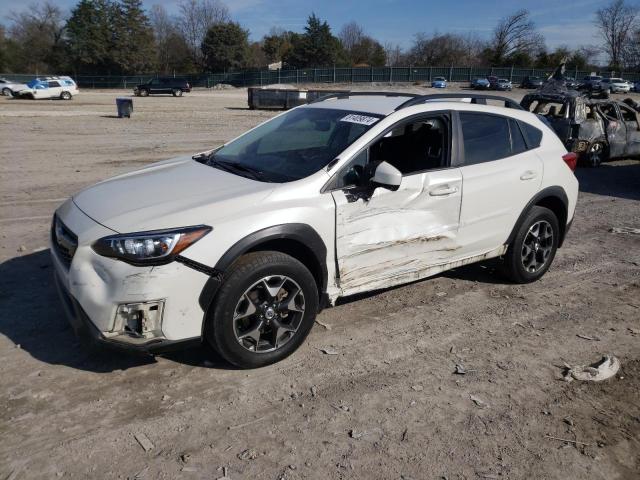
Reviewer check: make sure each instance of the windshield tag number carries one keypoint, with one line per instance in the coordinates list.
(361, 119)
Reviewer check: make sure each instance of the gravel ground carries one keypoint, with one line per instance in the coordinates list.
(387, 406)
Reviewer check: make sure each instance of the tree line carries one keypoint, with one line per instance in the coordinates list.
(119, 37)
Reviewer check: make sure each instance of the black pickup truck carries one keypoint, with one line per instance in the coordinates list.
(172, 85)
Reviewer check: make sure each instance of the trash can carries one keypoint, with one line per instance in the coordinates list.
(125, 107)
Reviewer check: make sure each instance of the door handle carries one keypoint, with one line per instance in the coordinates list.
(442, 191)
(528, 175)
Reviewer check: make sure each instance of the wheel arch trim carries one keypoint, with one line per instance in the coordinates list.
(302, 234)
(555, 193)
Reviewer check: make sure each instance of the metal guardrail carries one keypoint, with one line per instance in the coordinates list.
(250, 78)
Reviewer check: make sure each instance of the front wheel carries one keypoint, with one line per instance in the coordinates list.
(144, 92)
(534, 247)
(263, 311)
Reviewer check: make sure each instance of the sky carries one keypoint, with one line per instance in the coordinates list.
(568, 22)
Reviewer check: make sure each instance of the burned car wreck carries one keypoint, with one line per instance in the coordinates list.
(597, 130)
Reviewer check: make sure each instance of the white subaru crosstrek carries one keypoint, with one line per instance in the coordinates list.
(242, 246)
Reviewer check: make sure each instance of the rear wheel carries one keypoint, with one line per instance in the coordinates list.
(534, 247)
(6, 91)
(596, 154)
(65, 96)
(263, 311)
(176, 92)
(144, 92)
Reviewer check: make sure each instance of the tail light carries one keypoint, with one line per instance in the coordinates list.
(571, 159)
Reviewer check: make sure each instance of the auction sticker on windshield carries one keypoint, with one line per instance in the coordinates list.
(361, 119)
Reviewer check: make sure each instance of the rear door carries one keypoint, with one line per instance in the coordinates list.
(155, 86)
(630, 119)
(384, 237)
(500, 175)
(55, 89)
(615, 128)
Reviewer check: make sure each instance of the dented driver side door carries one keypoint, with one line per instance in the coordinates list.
(393, 237)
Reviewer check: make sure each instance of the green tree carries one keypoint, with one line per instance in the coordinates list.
(225, 46)
(133, 39)
(316, 47)
(277, 45)
(89, 37)
(368, 51)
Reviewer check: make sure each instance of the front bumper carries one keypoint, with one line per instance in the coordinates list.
(86, 330)
(98, 291)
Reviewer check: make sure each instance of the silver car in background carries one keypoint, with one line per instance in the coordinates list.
(8, 87)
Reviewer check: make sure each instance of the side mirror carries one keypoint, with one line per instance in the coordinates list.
(387, 176)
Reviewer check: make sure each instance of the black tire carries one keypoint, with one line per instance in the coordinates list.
(6, 91)
(514, 260)
(144, 92)
(176, 92)
(65, 96)
(250, 269)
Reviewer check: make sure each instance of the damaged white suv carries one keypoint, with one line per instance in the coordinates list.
(243, 245)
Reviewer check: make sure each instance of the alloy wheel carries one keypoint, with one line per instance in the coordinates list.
(268, 314)
(537, 246)
(595, 154)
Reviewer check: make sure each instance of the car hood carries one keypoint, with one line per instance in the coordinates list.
(169, 194)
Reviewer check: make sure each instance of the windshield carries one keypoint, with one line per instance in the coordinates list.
(294, 145)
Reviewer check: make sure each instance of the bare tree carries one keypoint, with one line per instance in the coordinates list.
(439, 49)
(38, 31)
(395, 55)
(195, 19)
(163, 30)
(350, 35)
(616, 23)
(515, 35)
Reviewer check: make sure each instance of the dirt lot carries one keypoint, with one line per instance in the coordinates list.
(387, 407)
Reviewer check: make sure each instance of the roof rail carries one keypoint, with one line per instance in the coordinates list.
(477, 98)
(364, 94)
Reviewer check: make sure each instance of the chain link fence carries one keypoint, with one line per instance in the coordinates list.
(253, 78)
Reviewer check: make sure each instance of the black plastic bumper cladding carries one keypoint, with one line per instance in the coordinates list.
(555, 193)
(300, 233)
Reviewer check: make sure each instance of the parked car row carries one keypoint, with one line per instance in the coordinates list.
(41, 88)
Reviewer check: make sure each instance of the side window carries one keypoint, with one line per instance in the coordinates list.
(533, 135)
(414, 147)
(54, 84)
(518, 144)
(485, 137)
(628, 115)
(609, 111)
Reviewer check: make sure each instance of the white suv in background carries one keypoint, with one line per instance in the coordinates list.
(50, 87)
(615, 85)
(241, 246)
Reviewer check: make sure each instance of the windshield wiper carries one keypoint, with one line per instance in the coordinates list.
(236, 168)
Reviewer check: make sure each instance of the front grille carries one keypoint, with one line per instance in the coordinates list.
(64, 241)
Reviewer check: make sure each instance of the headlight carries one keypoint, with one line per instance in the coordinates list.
(157, 247)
